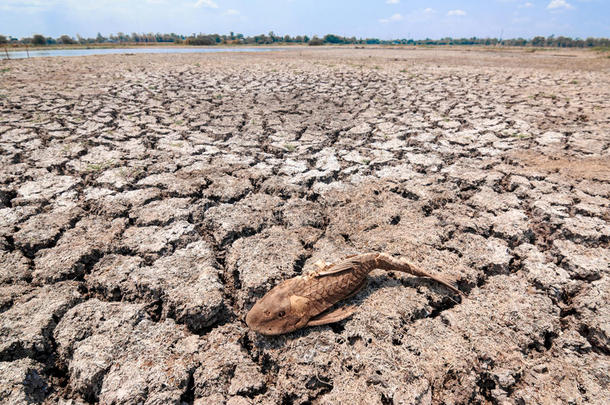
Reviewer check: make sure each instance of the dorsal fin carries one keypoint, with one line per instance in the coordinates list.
(340, 267)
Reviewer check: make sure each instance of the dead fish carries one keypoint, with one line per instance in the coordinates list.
(305, 300)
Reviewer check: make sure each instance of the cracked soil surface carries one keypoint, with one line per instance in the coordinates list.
(147, 201)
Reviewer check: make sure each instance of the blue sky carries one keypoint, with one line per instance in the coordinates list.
(371, 18)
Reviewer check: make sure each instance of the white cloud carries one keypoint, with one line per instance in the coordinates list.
(26, 5)
(231, 11)
(559, 4)
(527, 4)
(206, 3)
(392, 1)
(393, 18)
(456, 12)
(428, 10)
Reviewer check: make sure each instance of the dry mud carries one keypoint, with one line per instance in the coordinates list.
(146, 202)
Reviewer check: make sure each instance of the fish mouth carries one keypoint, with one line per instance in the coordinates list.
(252, 323)
(272, 330)
(265, 330)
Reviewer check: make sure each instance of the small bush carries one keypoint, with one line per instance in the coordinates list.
(39, 40)
(67, 40)
(315, 41)
(201, 40)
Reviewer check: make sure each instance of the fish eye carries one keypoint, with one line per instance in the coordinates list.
(281, 314)
(267, 313)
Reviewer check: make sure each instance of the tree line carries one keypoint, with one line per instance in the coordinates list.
(272, 38)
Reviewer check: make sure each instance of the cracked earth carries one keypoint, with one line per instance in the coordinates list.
(147, 201)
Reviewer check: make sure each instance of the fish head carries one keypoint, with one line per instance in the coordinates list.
(279, 311)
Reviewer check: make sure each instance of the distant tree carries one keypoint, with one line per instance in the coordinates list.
(519, 42)
(38, 39)
(332, 39)
(201, 40)
(315, 41)
(564, 42)
(271, 37)
(66, 40)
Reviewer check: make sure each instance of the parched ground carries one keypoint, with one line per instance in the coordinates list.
(147, 201)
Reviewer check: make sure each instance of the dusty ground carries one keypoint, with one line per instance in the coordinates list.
(147, 201)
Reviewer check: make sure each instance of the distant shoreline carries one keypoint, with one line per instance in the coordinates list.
(136, 45)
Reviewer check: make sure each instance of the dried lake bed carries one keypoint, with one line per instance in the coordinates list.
(147, 201)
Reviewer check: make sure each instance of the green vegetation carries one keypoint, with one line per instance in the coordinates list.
(521, 136)
(67, 40)
(4, 70)
(122, 39)
(289, 147)
(97, 167)
(39, 40)
(315, 41)
(605, 48)
(202, 40)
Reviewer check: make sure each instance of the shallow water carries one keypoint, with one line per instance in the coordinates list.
(112, 51)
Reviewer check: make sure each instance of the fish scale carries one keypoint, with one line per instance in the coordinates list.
(333, 288)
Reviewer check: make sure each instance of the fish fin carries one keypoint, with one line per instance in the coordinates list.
(336, 269)
(448, 284)
(337, 315)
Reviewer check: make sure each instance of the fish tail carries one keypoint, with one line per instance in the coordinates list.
(387, 262)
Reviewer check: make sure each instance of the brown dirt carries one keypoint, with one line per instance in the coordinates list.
(147, 201)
